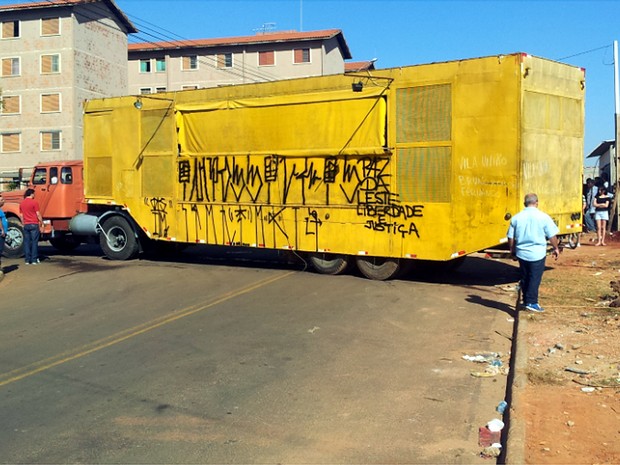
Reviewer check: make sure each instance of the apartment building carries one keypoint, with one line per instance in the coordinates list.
(191, 64)
(54, 55)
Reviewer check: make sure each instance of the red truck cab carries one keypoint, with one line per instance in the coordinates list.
(59, 189)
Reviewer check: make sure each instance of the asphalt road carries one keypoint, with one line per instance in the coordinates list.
(244, 358)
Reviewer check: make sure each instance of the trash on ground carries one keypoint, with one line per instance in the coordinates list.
(490, 371)
(495, 425)
(486, 437)
(577, 371)
(501, 407)
(491, 451)
(485, 357)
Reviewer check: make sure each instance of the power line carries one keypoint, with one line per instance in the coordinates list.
(168, 37)
(584, 52)
(249, 71)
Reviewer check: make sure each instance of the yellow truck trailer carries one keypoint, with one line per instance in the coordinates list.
(425, 162)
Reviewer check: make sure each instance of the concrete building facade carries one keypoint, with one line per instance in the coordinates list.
(192, 64)
(55, 55)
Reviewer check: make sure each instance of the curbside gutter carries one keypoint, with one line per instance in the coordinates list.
(515, 442)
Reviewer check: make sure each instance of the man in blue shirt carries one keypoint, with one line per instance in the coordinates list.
(528, 233)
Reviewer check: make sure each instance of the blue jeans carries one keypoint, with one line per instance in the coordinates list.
(531, 276)
(588, 219)
(31, 242)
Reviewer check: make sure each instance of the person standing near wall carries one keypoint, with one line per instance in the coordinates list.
(602, 202)
(32, 221)
(588, 215)
(4, 229)
(528, 233)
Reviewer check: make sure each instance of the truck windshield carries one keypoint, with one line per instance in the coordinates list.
(40, 176)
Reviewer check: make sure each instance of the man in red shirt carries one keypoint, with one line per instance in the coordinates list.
(32, 221)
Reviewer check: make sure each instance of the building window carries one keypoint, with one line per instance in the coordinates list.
(190, 62)
(10, 142)
(160, 65)
(302, 55)
(145, 66)
(267, 58)
(194, 87)
(10, 67)
(50, 103)
(50, 26)
(145, 90)
(224, 60)
(50, 64)
(160, 89)
(10, 105)
(50, 140)
(10, 29)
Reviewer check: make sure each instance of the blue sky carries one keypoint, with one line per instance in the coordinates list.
(407, 32)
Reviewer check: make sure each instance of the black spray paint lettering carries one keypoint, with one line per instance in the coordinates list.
(393, 228)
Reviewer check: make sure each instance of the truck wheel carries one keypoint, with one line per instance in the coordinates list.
(332, 264)
(379, 268)
(14, 242)
(573, 240)
(65, 243)
(118, 239)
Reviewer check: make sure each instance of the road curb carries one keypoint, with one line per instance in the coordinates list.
(515, 442)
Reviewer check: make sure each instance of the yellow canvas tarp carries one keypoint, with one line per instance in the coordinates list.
(327, 123)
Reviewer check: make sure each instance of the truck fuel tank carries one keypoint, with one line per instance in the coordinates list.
(84, 224)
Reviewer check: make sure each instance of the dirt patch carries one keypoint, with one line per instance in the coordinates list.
(572, 399)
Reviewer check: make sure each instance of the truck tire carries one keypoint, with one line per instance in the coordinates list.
(118, 239)
(14, 242)
(573, 240)
(331, 264)
(378, 268)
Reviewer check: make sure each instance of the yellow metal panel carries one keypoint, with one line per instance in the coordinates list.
(307, 124)
(426, 162)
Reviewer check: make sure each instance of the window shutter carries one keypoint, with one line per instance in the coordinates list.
(189, 62)
(7, 30)
(11, 104)
(302, 55)
(46, 64)
(10, 29)
(50, 26)
(266, 58)
(50, 102)
(7, 67)
(10, 142)
(46, 141)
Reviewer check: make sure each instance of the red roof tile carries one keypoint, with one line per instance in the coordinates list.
(63, 3)
(353, 66)
(270, 37)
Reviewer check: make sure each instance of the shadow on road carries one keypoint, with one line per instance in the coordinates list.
(474, 270)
